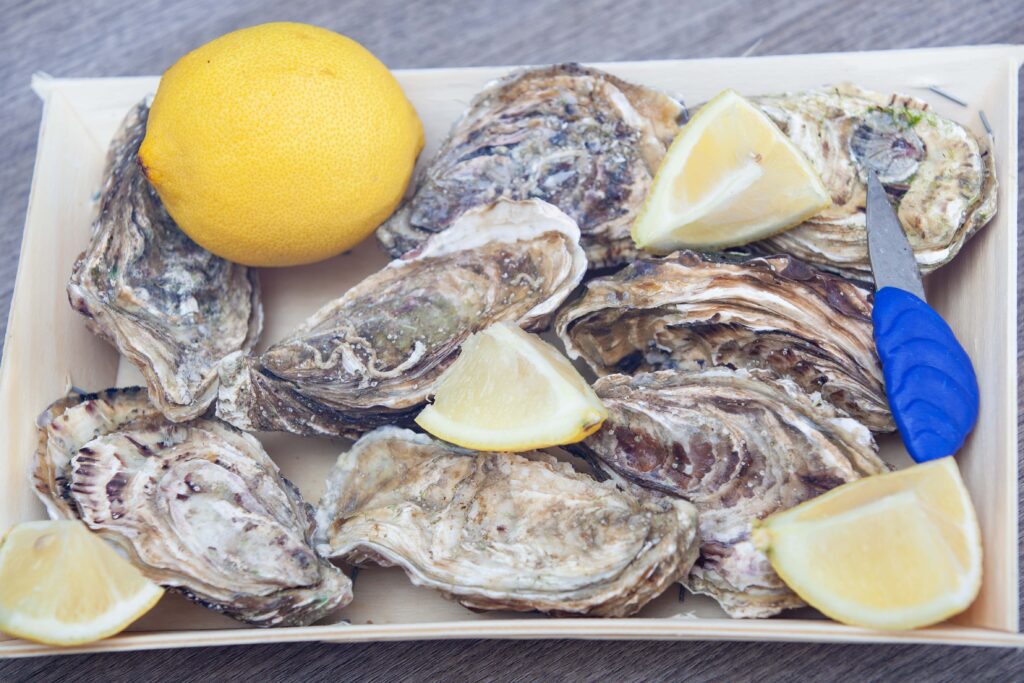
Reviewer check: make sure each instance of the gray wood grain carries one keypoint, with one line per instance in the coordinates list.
(69, 38)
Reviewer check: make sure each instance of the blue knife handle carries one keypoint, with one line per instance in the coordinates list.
(929, 379)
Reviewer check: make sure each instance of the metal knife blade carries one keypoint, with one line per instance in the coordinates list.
(892, 259)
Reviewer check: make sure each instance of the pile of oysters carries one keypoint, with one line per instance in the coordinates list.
(738, 384)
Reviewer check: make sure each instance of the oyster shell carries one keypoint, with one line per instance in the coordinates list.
(197, 506)
(373, 356)
(738, 446)
(574, 136)
(169, 306)
(939, 173)
(690, 312)
(501, 531)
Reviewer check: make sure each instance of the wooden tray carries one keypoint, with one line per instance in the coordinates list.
(48, 348)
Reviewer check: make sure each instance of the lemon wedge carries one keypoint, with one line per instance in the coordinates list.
(60, 584)
(892, 551)
(510, 391)
(729, 178)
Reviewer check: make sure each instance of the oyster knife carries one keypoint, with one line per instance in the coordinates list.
(929, 378)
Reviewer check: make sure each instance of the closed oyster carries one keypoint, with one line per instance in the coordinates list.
(373, 356)
(577, 137)
(777, 314)
(500, 531)
(739, 447)
(169, 306)
(937, 171)
(197, 506)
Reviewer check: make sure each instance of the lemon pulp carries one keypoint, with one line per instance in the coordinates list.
(730, 177)
(61, 584)
(895, 551)
(510, 391)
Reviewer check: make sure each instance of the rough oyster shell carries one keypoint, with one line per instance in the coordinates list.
(197, 506)
(577, 137)
(738, 446)
(169, 306)
(941, 175)
(373, 356)
(777, 314)
(500, 531)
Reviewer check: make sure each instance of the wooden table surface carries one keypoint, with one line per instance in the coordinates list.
(69, 38)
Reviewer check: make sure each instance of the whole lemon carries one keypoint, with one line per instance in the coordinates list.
(280, 144)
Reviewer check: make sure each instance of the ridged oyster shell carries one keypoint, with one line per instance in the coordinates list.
(689, 312)
(501, 531)
(197, 506)
(739, 447)
(938, 172)
(169, 306)
(373, 356)
(574, 136)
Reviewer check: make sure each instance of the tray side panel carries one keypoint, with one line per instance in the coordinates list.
(578, 629)
(977, 294)
(48, 348)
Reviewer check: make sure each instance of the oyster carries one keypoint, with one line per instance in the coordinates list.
(738, 446)
(373, 356)
(169, 306)
(939, 173)
(777, 314)
(574, 136)
(197, 506)
(501, 531)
